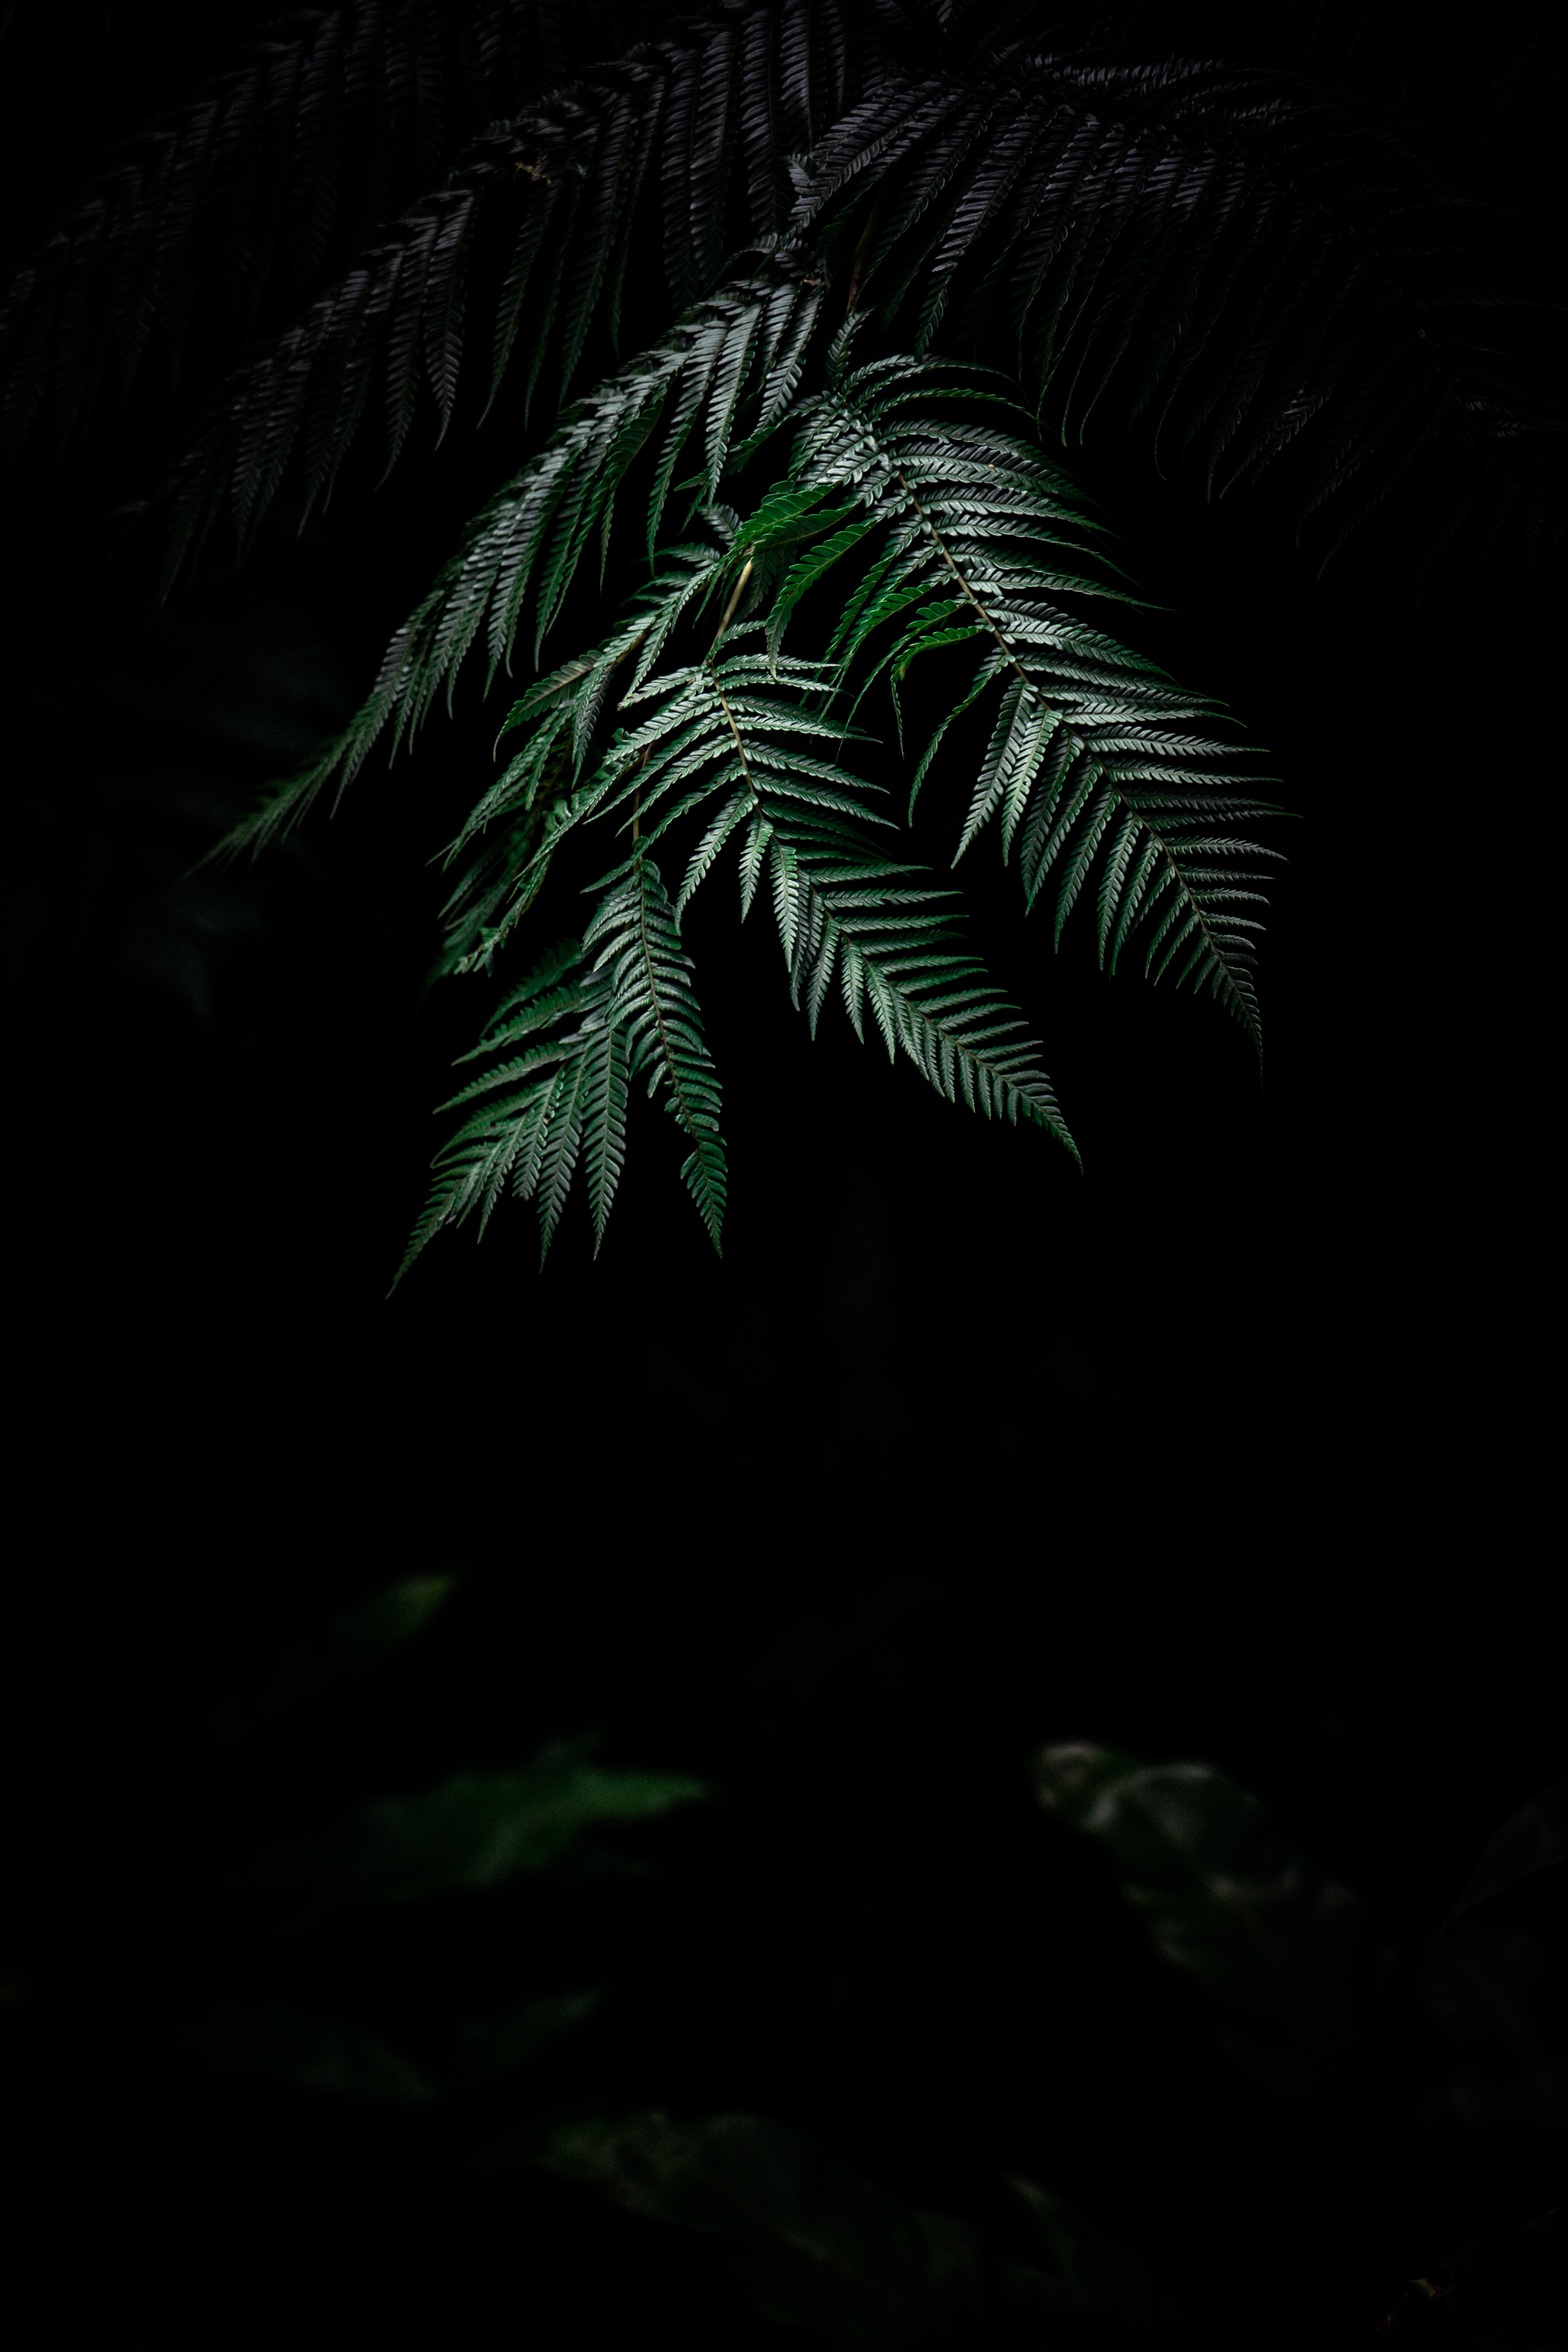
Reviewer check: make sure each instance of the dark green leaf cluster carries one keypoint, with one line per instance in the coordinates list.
(1010, 229)
(276, 171)
(739, 353)
(596, 1015)
(1285, 1962)
(1258, 272)
(473, 1832)
(936, 533)
(820, 2248)
(1263, 274)
(1280, 1951)
(1084, 771)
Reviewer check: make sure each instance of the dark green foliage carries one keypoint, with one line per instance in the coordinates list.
(1084, 771)
(588, 1028)
(1535, 1839)
(539, 528)
(1238, 250)
(821, 2249)
(815, 2245)
(273, 2043)
(1228, 1897)
(940, 527)
(473, 1831)
(1224, 252)
(1272, 281)
(348, 1651)
(813, 2000)
(818, 2246)
(279, 168)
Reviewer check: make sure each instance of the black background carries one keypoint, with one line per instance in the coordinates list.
(1238, 1444)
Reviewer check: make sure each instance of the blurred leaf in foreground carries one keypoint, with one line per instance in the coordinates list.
(1229, 1897)
(272, 2041)
(349, 1649)
(277, 2042)
(816, 2244)
(1099, 2275)
(1535, 1838)
(471, 1832)
(485, 2050)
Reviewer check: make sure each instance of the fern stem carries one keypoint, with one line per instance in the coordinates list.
(736, 596)
(739, 741)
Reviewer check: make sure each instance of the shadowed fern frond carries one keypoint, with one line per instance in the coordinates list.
(747, 742)
(1241, 256)
(275, 170)
(940, 530)
(842, 903)
(748, 727)
(654, 1004)
(528, 1131)
(542, 795)
(1237, 256)
(1018, 226)
(968, 535)
(732, 364)
(586, 1030)
(655, 164)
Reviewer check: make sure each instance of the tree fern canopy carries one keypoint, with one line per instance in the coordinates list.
(805, 306)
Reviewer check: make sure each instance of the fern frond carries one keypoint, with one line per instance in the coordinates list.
(1091, 768)
(749, 732)
(653, 1004)
(593, 1017)
(275, 172)
(534, 534)
(842, 903)
(571, 185)
(1261, 273)
(542, 793)
(1264, 275)
(571, 171)
(562, 1074)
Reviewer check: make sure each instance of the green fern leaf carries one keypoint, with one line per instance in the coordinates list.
(653, 1001)
(752, 730)
(980, 533)
(567, 184)
(1237, 252)
(534, 532)
(527, 1126)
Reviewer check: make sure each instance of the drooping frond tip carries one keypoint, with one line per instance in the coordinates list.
(967, 535)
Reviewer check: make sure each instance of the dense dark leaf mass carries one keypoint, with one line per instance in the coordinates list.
(268, 178)
(1263, 275)
(964, 1747)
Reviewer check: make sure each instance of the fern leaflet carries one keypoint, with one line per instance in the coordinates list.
(1090, 767)
(534, 535)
